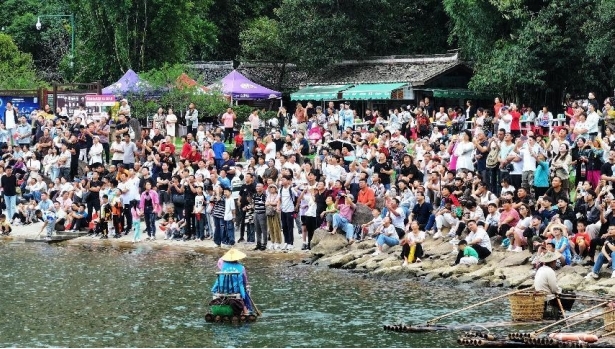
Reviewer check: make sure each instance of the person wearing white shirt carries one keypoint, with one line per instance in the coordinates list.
(528, 152)
(96, 151)
(464, 151)
(478, 239)
(592, 122)
(505, 119)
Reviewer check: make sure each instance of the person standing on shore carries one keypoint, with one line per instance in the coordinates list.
(8, 185)
(260, 217)
(228, 120)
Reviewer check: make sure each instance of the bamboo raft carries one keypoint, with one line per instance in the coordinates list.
(528, 308)
(235, 319)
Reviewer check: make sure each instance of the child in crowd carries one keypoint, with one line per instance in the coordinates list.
(5, 226)
(50, 222)
(102, 227)
(369, 228)
(199, 213)
(467, 255)
(329, 212)
(136, 223)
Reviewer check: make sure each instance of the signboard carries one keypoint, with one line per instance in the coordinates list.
(100, 100)
(24, 105)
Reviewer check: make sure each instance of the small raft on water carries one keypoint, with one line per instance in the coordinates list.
(233, 319)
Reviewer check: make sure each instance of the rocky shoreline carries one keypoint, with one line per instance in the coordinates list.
(501, 268)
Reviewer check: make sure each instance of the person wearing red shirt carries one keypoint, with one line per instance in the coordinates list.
(515, 126)
(186, 148)
(497, 106)
(579, 244)
(167, 144)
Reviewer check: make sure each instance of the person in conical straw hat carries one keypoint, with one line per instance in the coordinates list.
(545, 280)
(233, 278)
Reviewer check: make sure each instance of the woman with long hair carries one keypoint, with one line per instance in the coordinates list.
(464, 151)
(272, 210)
(560, 165)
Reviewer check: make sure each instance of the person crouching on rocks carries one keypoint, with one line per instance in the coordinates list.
(412, 248)
(387, 236)
(467, 255)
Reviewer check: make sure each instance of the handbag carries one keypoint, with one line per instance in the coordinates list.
(270, 211)
(178, 199)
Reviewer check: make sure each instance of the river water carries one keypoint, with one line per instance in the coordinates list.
(92, 296)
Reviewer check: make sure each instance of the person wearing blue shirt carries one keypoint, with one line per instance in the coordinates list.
(233, 278)
(346, 117)
(80, 218)
(218, 148)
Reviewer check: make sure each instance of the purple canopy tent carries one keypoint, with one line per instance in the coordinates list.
(130, 82)
(241, 88)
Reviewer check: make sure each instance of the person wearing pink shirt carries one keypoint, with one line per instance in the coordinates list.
(228, 120)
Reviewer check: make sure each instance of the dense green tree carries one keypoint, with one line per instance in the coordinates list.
(16, 68)
(231, 17)
(531, 51)
(141, 34)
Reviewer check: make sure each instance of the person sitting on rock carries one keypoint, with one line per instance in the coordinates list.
(478, 239)
(387, 236)
(580, 242)
(467, 255)
(606, 255)
(344, 217)
(446, 217)
(412, 244)
(328, 213)
(369, 228)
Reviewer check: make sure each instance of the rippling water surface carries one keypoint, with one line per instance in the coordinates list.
(104, 297)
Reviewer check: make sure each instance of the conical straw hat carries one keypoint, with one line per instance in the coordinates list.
(233, 255)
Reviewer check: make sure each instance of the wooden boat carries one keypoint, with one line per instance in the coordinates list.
(227, 307)
(233, 319)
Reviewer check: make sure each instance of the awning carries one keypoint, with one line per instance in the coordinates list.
(460, 94)
(319, 93)
(371, 91)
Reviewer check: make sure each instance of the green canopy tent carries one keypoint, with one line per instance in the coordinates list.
(319, 93)
(372, 91)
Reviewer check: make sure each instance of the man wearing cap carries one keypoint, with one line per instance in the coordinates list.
(233, 278)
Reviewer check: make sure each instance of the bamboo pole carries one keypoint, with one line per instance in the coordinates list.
(583, 320)
(601, 327)
(436, 319)
(566, 319)
(608, 334)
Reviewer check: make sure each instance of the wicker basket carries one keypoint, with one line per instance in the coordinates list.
(609, 317)
(527, 306)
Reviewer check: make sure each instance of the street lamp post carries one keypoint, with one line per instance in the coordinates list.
(72, 32)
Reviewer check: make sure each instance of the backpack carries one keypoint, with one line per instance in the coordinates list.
(293, 198)
(492, 158)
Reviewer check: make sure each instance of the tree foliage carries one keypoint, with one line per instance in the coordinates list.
(535, 50)
(16, 68)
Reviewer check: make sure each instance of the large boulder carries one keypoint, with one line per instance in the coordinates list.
(329, 244)
(318, 235)
(362, 214)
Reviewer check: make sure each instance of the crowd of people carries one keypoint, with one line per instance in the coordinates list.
(473, 176)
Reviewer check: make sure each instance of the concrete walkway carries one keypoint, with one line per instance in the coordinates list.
(22, 232)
